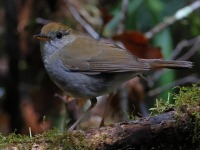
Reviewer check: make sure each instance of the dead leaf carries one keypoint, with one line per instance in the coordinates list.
(138, 45)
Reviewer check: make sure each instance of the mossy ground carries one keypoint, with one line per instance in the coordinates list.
(188, 100)
(52, 139)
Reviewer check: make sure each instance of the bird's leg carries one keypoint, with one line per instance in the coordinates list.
(93, 103)
(70, 105)
(106, 109)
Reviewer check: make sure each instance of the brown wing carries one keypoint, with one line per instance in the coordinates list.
(90, 56)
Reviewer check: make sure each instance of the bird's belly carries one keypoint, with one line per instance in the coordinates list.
(81, 85)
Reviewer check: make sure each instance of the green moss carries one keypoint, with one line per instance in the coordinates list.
(69, 140)
(51, 139)
(12, 139)
(187, 101)
(161, 106)
(188, 97)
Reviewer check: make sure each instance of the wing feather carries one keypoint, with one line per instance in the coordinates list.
(90, 56)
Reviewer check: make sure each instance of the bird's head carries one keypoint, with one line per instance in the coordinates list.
(54, 36)
(53, 31)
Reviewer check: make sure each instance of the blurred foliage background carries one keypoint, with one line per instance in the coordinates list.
(27, 95)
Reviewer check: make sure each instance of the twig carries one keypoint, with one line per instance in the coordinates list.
(185, 43)
(30, 133)
(188, 79)
(191, 52)
(81, 21)
(180, 14)
(122, 14)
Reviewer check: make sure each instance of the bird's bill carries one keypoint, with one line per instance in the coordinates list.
(41, 37)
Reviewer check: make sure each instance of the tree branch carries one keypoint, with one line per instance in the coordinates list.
(122, 14)
(180, 14)
(81, 21)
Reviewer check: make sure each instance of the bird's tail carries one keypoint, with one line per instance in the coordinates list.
(172, 64)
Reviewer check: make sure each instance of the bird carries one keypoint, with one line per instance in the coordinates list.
(87, 68)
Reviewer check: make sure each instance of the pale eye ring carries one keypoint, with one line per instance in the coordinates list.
(59, 35)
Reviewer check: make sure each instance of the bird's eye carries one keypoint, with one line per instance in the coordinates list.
(59, 35)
